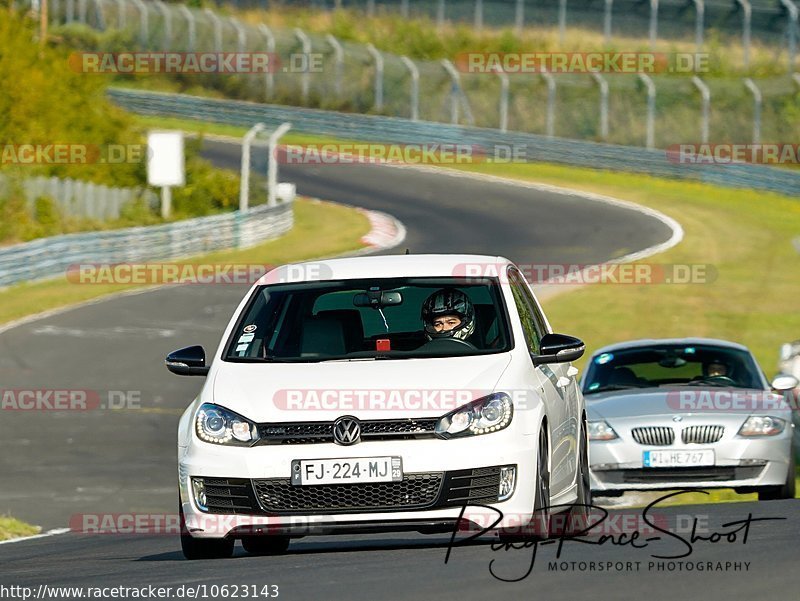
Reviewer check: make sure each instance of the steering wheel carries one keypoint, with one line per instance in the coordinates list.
(720, 379)
(443, 342)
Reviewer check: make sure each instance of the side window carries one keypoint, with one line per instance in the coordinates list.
(538, 318)
(526, 311)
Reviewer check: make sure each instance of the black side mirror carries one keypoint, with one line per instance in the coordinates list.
(559, 348)
(189, 361)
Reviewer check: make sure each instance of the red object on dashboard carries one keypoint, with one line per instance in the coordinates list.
(383, 344)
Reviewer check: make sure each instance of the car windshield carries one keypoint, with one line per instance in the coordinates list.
(362, 320)
(671, 365)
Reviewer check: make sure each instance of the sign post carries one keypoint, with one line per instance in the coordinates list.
(165, 165)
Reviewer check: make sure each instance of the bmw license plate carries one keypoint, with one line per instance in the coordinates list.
(346, 471)
(678, 458)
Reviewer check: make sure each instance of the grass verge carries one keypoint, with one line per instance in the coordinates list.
(321, 229)
(13, 528)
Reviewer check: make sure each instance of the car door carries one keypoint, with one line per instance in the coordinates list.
(546, 380)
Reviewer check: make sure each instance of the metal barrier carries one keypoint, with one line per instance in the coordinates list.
(531, 147)
(51, 257)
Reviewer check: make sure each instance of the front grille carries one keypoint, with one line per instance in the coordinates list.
(229, 495)
(322, 432)
(657, 436)
(678, 475)
(415, 491)
(702, 434)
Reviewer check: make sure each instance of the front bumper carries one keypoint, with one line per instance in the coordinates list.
(252, 492)
(739, 463)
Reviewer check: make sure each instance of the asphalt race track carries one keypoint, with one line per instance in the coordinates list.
(57, 465)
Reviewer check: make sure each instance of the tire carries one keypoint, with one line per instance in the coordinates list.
(539, 526)
(265, 544)
(203, 548)
(578, 516)
(787, 491)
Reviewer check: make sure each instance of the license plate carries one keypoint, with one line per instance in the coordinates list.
(346, 471)
(678, 458)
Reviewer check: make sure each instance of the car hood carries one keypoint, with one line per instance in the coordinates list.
(382, 389)
(698, 400)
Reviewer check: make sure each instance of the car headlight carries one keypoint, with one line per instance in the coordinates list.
(218, 425)
(600, 430)
(762, 425)
(488, 414)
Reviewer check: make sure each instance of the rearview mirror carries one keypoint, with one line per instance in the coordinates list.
(559, 348)
(189, 361)
(377, 299)
(784, 382)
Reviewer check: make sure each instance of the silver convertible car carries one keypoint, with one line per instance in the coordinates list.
(687, 413)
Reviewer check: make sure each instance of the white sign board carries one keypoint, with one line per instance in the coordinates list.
(165, 158)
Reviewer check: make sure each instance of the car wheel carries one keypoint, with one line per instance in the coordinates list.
(579, 513)
(203, 548)
(539, 526)
(540, 523)
(787, 491)
(265, 544)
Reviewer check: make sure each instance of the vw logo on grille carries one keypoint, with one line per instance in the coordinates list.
(346, 431)
(677, 418)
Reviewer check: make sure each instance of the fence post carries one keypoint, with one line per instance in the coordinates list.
(601, 81)
(165, 12)
(651, 109)
(478, 25)
(706, 107)
(272, 166)
(338, 53)
(757, 102)
(270, 80)
(191, 26)
(747, 12)
(305, 81)
(98, 15)
(607, 22)
(378, 57)
(217, 28)
(370, 8)
(550, 124)
(653, 23)
(121, 20)
(700, 11)
(519, 16)
(144, 33)
(244, 185)
(82, 8)
(414, 72)
(455, 87)
(440, 14)
(504, 85)
(241, 34)
(562, 20)
(404, 9)
(70, 10)
(792, 13)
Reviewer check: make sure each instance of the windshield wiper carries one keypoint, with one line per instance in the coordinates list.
(613, 387)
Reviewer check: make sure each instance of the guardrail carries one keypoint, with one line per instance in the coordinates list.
(51, 257)
(530, 147)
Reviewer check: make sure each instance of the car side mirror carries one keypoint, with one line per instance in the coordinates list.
(189, 361)
(784, 382)
(559, 348)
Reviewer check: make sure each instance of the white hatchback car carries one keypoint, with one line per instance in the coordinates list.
(398, 393)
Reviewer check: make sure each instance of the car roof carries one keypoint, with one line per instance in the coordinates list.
(645, 342)
(387, 266)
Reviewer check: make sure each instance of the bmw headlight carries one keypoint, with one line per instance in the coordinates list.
(762, 425)
(218, 425)
(600, 430)
(488, 414)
